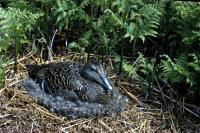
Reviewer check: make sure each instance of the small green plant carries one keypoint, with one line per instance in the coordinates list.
(15, 25)
(83, 42)
(107, 22)
(3, 63)
(180, 63)
(181, 70)
(142, 69)
(67, 11)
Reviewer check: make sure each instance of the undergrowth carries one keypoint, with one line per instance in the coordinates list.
(165, 33)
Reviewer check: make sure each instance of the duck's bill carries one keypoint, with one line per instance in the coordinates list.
(105, 81)
(107, 84)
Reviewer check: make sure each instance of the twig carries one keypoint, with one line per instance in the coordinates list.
(3, 116)
(45, 41)
(50, 54)
(14, 83)
(173, 125)
(174, 101)
(162, 94)
(33, 44)
(51, 44)
(179, 103)
(42, 110)
(105, 125)
(63, 130)
(1, 90)
(131, 95)
(142, 126)
(5, 123)
(24, 58)
(76, 124)
(111, 64)
(50, 51)
(16, 55)
(31, 128)
(22, 65)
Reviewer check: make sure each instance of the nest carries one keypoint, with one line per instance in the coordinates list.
(20, 112)
(75, 109)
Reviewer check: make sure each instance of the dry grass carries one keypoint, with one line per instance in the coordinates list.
(21, 113)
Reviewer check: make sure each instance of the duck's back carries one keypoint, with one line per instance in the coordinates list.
(54, 76)
(64, 79)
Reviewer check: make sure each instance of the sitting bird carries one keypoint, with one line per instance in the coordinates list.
(73, 81)
(75, 109)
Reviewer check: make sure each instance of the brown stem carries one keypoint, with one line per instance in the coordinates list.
(16, 54)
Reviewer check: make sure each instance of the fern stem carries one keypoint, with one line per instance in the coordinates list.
(16, 54)
(133, 49)
(162, 94)
(121, 58)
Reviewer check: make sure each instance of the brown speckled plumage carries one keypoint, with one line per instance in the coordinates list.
(69, 80)
(75, 109)
(74, 90)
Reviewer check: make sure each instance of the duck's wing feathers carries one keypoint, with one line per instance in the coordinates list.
(57, 77)
(64, 79)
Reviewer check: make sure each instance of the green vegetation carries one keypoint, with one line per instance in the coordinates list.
(161, 36)
(3, 63)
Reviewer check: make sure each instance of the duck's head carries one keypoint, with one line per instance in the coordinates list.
(93, 71)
